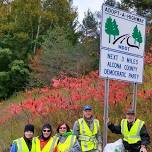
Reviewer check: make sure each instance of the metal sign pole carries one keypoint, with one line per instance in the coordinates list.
(134, 99)
(106, 104)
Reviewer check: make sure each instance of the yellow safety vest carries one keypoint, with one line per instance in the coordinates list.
(22, 146)
(87, 137)
(67, 145)
(49, 147)
(132, 136)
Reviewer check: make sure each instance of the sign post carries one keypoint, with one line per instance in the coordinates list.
(121, 51)
(134, 98)
(106, 97)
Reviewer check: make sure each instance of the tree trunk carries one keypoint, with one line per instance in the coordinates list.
(38, 29)
(37, 34)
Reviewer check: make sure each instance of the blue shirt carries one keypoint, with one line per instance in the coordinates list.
(13, 148)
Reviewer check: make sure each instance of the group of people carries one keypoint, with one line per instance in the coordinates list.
(85, 136)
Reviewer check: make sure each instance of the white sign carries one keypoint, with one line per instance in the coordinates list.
(122, 45)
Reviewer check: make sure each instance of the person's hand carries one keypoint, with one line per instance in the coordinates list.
(107, 119)
(99, 148)
(143, 149)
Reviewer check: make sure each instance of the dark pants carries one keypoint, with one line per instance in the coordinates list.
(132, 147)
(132, 150)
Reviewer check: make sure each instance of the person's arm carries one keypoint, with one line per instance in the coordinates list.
(76, 147)
(99, 136)
(76, 129)
(114, 128)
(13, 147)
(145, 138)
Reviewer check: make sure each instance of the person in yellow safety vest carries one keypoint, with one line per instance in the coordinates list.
(135, 135)
(26, 143)
(87, 130)
(45, 142)
(67, 141)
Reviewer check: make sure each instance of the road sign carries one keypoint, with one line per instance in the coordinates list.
(122, 45)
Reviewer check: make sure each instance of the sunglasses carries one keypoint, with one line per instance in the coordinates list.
(62, 128)
(46, 130)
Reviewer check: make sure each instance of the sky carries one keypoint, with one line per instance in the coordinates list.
(84, 5)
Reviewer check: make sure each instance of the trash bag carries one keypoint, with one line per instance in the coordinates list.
(117, 146)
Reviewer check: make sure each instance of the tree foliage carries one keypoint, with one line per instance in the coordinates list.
(110, 2)
(89, 26)
(142, 7)
(25, 22)
(60, 56)
(4, 84)
(113, 3)
(5, 59)
(19, 74)
(13, 73)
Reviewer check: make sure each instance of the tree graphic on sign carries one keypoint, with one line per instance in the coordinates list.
(137, 35)
(139, 39)
(115, 29)
(111, 28)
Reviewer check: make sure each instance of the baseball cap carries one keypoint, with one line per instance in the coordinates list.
(130, 111)
(87, 107)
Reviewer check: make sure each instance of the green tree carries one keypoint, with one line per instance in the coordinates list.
(135, 34)
(13, 73)
(109, 27)
(89, 25)
(137, 5)
(19, 75)
(23, 25)
(4, 84)
(55, 50)
(25, 22)
(115, 29)
(59, 55)
(139, 39)
(110, 2)
(5, 59)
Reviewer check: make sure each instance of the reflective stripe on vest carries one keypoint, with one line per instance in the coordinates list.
(88, 137)
(54, 143)
(22, 146)
(132, 136)
(49, 147)
(67, 145)
(72, 141)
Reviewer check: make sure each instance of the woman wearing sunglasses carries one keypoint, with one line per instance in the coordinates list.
(45, 142)
(67, 141)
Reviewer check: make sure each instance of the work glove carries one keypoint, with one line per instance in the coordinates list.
(99, 148)
(143, 149)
